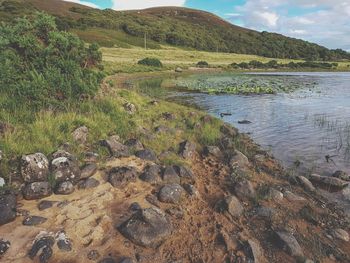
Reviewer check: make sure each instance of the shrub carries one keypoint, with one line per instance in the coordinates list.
(151, 62)
(202, 64)
(243, 65)
(256, 64)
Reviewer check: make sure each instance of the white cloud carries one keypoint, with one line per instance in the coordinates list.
(142, 4)
(83, 3)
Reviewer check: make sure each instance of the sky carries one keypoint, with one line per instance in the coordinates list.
(326, 22)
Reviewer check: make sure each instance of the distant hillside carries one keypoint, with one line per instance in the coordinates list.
(176, 26)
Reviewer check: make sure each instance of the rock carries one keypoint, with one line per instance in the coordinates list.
(115, 148)
(171, 193)
(151, 174)
(88, 183)
(64, 188)
(80, 134)
(63, 242)
(2, 182)
(244, 122)
(34, 168)
(233, 206)
(65, 169)
(175, 212)
(121, 176)
(43, 245)
(34, 220)
(254, 251)
(63, 153)
(228, 130)
(168, 116)
(341, 175)
(213, 151)
(341, 234)
(147, 154)
(170, 176)
(126, 260)
(148, 227)
(43, 205)
(8, 204)
(178, 70)
(91, 157)
(134, 144)
(329, 181)
(245, 189)
(185, 174)
(306, 184)
(275, 195)
(4, 246)
(238, 159)
(291, 197)
(130, 108)
(108, 260)
(187, 149)
(191, 189)
(88, 170)
(135, 207)
(93, 255)
(153, 200)
(266, 213)
(290, 244)
(37, 190)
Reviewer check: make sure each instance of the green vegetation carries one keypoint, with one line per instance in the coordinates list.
(151, 62)
(172, 26)
(202, 64)
(273, 64)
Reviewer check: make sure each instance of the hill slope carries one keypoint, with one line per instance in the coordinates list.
(168, 25)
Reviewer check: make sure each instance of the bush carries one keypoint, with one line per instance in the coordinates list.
(40, 65)
(243, 65)
(151, 62)
(202, 64)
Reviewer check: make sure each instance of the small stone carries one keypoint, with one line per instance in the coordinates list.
(291, 197)
(63, 242)
(43, 205)
(63, 153)
(43, 245)
(91, 157)
(341, 234)
(65, 188)
(275, 195)
(80, 134)
(233, 206)
(65, 169)
(178, 70)
(266, 212)
(171, 193)
(126, 260)
(115, 148)
(213, 151)
(170, 175)
(93, 255)
(151, 174)
(134, 144)
(191, 189)
(185, 174)
(121, 176)
(34, 220)
(130, 108)
(4, 246)
(37, 190)
(341, 175)
(135, 206)
(108, 260)
(175, 212)
(255, 251)
(306, 184)
(34, 168)
(238, 159)
(290, 244)
(152, 200)
(8, 204)
(187, 149)
(146, 154)
(88, 170)
(148, 227)
(329, 181)
(88, 183)
(245, 189)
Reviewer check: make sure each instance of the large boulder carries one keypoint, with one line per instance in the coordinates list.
(37, 190)
(121, 176)
(290, 244)
(171, 193)
(329, 181)
(151, 174)
(8, 203)
(148, 227)
(187, 149)
(34, 168)
(65, 168)
(115, 148)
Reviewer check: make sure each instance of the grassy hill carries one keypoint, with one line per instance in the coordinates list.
(182, 27)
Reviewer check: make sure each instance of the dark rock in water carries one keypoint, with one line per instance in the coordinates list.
(245, 190)
(305, 183)
(37, 190)
(115, 148)
(187, 149)
(134, 144)
(228, 130)
(212, 151)
(148, 227)
(290, 244)
(329, 181)
(171, 193)
(108, 260)
(34, 220)
(185, 174)
(147, 155)
(64, 188)
(4, 246)
(8, 204)
(63, 242)
(88, 183)
(93, 255)
(244, 122)
(122, 176)
(65, 169)
(341, 175)
(126, 260)
(43, 205)
(88, 170)
(151, 174)
(34, 168)
(43, 244)
(170, 175)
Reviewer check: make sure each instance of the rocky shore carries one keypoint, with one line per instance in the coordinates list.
(223, 203)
